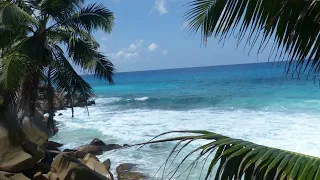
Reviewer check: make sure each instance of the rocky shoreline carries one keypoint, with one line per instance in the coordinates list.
(86, 154)
(35, 157)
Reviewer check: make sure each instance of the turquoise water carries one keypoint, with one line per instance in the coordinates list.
(256, 102)
(251, 87)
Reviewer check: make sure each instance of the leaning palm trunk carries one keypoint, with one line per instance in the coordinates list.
(72, 104)
(237, 159)
(50, 94)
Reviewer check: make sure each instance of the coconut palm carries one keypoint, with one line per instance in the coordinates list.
(292, 27)
(40, 37)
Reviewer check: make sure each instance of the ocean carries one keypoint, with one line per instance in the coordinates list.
(255, 102)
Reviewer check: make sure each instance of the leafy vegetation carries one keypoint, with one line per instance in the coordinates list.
(238, 159)
(39, 39)
(292, 27)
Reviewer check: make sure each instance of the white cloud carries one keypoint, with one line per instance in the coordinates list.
(160, 6)
(165, 52)
(131, 55)
(131, 52)
(119, 54)
(136, 45)
(153, 47)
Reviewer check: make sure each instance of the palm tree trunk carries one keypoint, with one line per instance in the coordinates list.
(50, 94)
(72, 105)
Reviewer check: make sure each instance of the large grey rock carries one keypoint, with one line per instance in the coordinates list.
(92, 149)
(97, 142)
(110, 147)
(126, 167)
(128, 175)
(107, 164)
(93, 163)
(126, 172)
(70, 168)
(12, 176)
(51, 145)
(26, 152)
(13, 158)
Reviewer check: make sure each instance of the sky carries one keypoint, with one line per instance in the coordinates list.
(152, 34)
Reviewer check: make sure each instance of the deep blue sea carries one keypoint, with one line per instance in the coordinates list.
(256, 102)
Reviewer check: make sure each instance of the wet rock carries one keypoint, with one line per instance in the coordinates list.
(92, 149)
(97, 142)
(90, 103)
(107, 164)
(60, 114)
(126, 167)
(80, 154)
(51, 145)
(70, 168)
(69, 150)
(125, 172)
(110, 147)
(128, 175)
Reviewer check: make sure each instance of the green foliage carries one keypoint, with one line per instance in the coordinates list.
(238, 159)
(293, 25)
(33, 33)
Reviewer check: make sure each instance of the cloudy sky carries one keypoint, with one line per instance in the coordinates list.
(151, 34)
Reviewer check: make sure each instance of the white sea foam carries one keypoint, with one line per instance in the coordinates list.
(297, 132)
(107, 100)
(141, 98)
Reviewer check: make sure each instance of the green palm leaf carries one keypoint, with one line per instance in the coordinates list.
(258, 22)
(239, 159)
(13, 16)
(59, 10)
(35, 31)
(13, 69)
(88, 18)
(67, 79)
(85, 54)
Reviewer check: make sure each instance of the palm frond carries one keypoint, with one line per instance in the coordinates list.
(89, 18)
(259, 22)
(13, 68)
(103, 68)
(66, 36)
(238, 159)
(66, 79)
(59, 10)
(10, 36)
(86, 55)
(15, 17)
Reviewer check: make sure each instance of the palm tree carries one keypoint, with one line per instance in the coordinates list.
(39, 38)
(292, 26)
